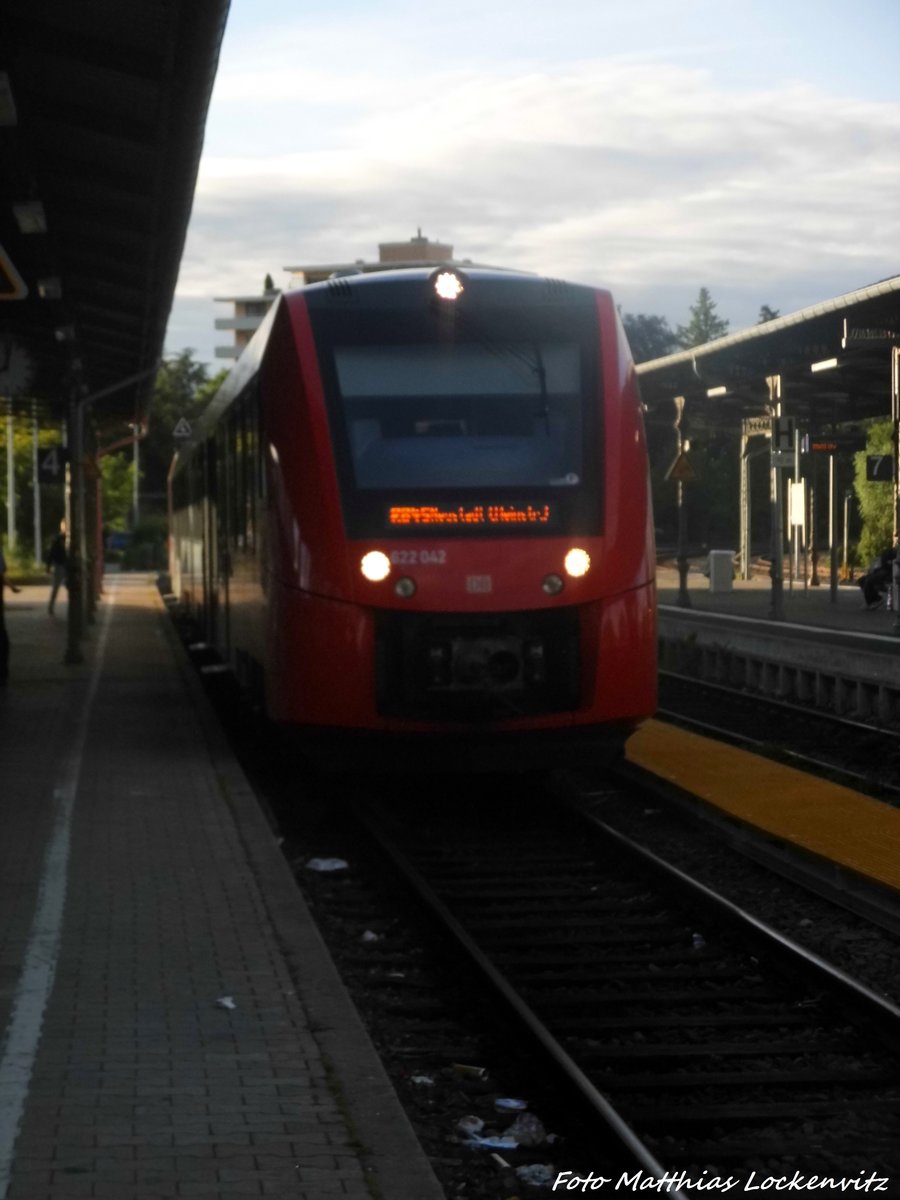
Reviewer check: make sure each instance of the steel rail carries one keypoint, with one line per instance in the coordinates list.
(774, 703)
(598, 1103)
(853, 995)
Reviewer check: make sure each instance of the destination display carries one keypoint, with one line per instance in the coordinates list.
(477, 515)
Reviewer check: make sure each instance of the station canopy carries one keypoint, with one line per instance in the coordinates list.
(834, 360)
(102, 111)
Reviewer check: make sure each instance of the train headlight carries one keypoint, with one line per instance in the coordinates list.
(577, 563)
(405, 587)
(448, 285)
(375, 566)
(553, 584)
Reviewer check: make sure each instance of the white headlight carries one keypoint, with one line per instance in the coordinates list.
(375, 566)
(448, 285)
(577, 563)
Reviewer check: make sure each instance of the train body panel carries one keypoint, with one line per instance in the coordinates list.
(377, 521)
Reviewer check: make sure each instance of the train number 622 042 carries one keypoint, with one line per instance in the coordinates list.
(412, 558)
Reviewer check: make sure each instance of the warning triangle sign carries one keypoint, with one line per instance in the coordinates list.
(681, 470)
(182, 429)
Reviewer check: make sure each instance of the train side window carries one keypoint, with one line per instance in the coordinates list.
(234, 510)
(250, 462)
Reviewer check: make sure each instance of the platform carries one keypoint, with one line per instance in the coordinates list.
(829, 651)
(140, 887)
(835, 823)
(802, 604)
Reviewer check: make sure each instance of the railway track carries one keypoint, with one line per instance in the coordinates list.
(686, 1048)
(861, 754)
(699, 1040)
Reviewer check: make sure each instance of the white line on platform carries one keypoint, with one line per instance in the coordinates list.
(23, 1034)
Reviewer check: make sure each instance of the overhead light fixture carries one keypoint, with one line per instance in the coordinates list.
(827, 364)
(30, 216)
(50, 288)
(8, 114)
(717, 391)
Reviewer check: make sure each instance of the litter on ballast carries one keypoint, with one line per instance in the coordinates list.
(470, 1125)
(527, 1130)
(537, 1174)
(327, 864)
(465, 1069)
(507, 1104)
(226, 1002)
(493, 1142)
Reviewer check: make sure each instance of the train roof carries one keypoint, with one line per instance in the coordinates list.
(405, 277)
(493, 283)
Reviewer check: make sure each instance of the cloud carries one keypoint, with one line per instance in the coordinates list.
(633, 174)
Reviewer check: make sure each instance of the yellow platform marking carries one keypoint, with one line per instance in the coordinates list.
(833, 821)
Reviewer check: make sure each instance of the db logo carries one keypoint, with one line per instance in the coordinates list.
(479, 584)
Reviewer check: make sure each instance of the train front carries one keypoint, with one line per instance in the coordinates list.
(491, 573)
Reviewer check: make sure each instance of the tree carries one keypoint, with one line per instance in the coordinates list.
(704, 325)
(52, 497)
(182, 390)
(649, 336)
(117, 477)
(876, 500)
(767, 314)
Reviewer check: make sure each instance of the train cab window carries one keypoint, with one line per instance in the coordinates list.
(506, 414)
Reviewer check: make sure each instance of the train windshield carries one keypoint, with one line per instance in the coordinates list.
(441, 417)
(462, 415)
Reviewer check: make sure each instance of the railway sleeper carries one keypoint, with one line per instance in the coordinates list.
(594, 1055)
(682, 1114)
(792, 1150)
(768, 1077)
(740, 1020)
(567, 997)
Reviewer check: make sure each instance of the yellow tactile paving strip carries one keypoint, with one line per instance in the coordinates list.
(825, 818)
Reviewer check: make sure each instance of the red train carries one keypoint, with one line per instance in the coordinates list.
(418, 512)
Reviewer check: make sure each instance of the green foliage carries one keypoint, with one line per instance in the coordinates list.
(649, 336)
(182, 390)
(876, 500)
(51, 495)
(117, 476)
(21, 567)
(704, 325)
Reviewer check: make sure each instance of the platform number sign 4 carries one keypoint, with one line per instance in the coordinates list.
(880, 468)
(52, 464)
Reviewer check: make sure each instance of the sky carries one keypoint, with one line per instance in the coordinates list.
(650, 147)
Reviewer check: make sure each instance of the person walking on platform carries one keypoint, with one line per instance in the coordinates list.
(56, 561)
(4, 636)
